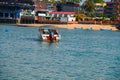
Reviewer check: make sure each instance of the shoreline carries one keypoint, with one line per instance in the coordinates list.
(72, 26)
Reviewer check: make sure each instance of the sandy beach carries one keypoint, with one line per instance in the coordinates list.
(72, 26)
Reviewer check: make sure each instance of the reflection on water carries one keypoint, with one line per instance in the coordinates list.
(49, 44)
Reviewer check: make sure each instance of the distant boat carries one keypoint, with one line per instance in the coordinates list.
(78, 28)
(49, 35)
(88, 28)
(105, 29)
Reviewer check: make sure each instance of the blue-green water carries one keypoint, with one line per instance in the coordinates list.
(80, 55)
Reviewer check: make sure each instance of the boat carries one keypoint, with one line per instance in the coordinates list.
(49, 35)
(102, 29)
(78, 28)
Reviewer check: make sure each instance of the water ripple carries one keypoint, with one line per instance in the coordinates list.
(80, 55)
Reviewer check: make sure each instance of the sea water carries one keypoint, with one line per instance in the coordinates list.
(80, 55)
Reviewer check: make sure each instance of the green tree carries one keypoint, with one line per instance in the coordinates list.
(97, 1)
(44, 0)
(63, 1)
(79, 16)
(53, 1)
(76, 1)
(88, 7)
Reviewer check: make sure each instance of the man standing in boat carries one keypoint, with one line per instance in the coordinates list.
(51, 34)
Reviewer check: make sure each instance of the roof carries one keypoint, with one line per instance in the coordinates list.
(61, 12)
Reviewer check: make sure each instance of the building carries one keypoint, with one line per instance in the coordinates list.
(42, 6)
(112, 10)
(118, 10)
(68, 7)
(115, 0)
(9, 13)
(57, 17)
(99, 9)
(63, 17)
(10, 10)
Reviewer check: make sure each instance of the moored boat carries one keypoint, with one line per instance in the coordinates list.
(49, 35)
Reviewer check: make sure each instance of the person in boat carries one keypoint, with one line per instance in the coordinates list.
(55, 31)
(51, 34)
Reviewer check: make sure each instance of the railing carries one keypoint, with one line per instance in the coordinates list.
(50, 21)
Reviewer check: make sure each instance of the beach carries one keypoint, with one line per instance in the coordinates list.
(72, 26)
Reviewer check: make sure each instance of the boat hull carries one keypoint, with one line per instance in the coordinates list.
(49, 35)
(48, 38)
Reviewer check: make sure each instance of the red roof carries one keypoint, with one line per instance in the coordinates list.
(61, 12)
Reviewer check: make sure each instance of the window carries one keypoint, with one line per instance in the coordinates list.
(1, 14)
(55, 15)
(65, 15)
(11, 15)
(60, 15)
(49, 6)
(6, 14)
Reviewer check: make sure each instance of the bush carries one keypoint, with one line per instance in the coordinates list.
(79, 16)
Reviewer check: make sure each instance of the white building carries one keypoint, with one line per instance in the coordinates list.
(99, 8)
(64, 17)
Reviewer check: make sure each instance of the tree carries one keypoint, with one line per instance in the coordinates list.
(63, 1)
(88, 7)
(53, 1)
(44, 0)
(76, 1)
(97, 1)
(79, 16)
